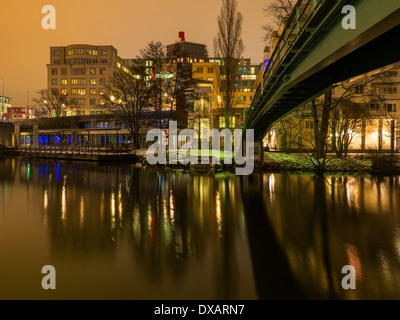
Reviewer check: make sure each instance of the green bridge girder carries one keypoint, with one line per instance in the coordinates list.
(322, 53)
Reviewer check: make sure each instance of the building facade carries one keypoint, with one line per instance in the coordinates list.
(82, 72)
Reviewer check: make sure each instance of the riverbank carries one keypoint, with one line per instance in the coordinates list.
(353, 164)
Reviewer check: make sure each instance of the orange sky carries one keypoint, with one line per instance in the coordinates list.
(128, 25)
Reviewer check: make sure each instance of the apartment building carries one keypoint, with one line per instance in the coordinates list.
(82, 71)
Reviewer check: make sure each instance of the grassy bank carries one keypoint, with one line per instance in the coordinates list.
(302, 162)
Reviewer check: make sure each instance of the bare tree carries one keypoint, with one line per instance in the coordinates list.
(228, 45)
(291, 129)
(176, 79)
(128, 97)
(277, 11)
(53, 102)
(155, 52)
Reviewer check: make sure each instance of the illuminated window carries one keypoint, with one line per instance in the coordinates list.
(102, 70)
(104, 52)
(78, 91)
(93, 91)
(93, 81)
(64, 82)
(210, 79)
(222, 122)
(102, 101)
(92, 70)
(102, 91)
(64, 91)
(78, 81)
(118, 65)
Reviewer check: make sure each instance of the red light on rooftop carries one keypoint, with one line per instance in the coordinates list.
(182, 36)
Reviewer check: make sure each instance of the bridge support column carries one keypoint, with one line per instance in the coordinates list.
(74, 139)
(259, 151)
(17, 135)
(35, 135)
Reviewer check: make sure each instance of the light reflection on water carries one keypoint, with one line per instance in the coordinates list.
(121, 232)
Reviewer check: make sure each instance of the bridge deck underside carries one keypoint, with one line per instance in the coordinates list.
(378, 53)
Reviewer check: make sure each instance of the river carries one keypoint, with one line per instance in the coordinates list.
(118, 231)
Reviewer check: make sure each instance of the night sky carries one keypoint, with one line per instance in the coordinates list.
(128, 25)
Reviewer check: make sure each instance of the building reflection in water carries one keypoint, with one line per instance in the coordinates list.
(175, 225)
(147, 234)
(326, 223)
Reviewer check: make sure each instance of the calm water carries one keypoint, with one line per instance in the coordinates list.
(122, 232)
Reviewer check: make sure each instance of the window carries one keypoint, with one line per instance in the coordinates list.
(102, 101)
(244, 98)
(64, 71)
(78, 102)
(78, 81)
(210, 79)
(64, 91)
(309, 124)
(390, 107)
(93, 91)
(222, 122)
(54, 82)
(392, 90)
(56, 61)
(78, 91)
(104, 61)
(102, 70)
(374, 106)
(54, 91)
(210, 70)
(199, 70)
(102, 91)
(57, 53)
(54, 71)
(64, 82)
(104, 52)
(93, 81)
(78, 71)
(92, 70)
(92, 101)
(102, 81)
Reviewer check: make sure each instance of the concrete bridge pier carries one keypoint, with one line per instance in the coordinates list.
(17, 135)
(35, 135)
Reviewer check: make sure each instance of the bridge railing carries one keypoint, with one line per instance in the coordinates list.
(296, 25)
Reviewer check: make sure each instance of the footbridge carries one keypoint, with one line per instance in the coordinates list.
(314, 52)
